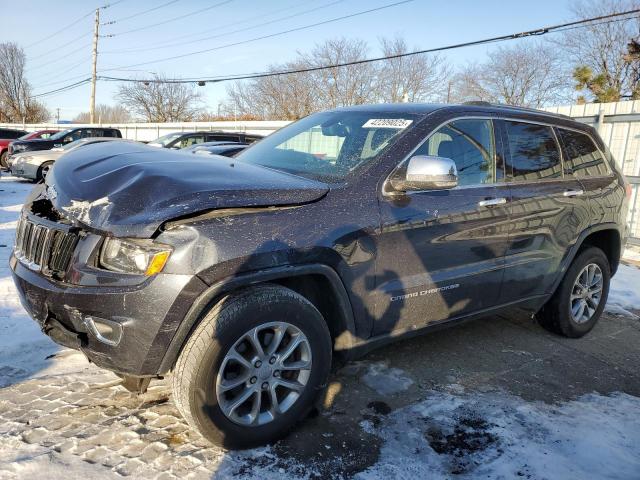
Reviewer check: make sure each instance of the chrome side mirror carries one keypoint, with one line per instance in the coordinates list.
(425, 172)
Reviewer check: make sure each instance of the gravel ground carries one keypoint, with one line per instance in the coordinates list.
(494, 398)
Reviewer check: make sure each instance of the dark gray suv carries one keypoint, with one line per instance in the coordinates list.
(246, 277)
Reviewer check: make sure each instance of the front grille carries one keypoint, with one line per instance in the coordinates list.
(44, 248)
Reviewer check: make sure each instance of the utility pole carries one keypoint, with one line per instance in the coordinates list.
(57, 115)
(92, 102)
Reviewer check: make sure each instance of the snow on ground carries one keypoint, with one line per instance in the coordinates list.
(479, 435)
(624, 294)
(385, 380)
(502, 436)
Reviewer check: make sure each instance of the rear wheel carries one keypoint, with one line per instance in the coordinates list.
(253, 367)
(579, 301)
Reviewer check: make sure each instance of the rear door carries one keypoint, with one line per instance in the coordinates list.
(547, 211)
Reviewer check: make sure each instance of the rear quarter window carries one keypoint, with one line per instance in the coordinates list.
(582, 157)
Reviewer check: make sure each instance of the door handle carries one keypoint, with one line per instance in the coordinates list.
(573, 193)
(492, 202)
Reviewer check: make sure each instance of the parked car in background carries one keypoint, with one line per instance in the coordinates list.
(7, 135)
(338, 233)
(62, 138)
(4, 144)
(226, 149)
(36, 165)
(11, 133)
(187, 139)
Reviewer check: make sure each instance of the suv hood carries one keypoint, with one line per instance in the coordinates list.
(129, 190)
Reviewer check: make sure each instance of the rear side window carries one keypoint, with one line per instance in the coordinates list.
(11, 134)
(222, 138)
(582, 157)
(533, 152)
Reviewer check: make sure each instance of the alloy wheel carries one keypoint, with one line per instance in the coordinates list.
(586, 293)
(264, 373)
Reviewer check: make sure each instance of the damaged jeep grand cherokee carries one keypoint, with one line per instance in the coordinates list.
(244, 278)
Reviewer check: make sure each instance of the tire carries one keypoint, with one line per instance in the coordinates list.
(556, 316)
(200, 370)
(42, 171)
(3, 160)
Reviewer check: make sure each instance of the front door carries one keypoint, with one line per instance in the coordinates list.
(440, 253)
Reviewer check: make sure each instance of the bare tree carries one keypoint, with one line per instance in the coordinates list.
(161, 100)
(106, 114)
(600, 50)
(416, 78)
(348, 85)
(282, 96)
(16, 103)
(530, 75)
(296, 95)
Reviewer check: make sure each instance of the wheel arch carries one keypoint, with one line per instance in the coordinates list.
(606, 236)
(306, 280)
(41, 167)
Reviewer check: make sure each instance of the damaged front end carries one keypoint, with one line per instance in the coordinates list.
(121, 320)
(104, 259)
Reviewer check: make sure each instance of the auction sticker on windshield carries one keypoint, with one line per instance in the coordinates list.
(398, 123)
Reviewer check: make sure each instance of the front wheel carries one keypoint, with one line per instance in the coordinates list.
(43, 171)
(3, 160)
(253, 367)
(577, 304)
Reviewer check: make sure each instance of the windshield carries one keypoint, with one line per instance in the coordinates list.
(167, 139)
(328, 146)
(59, 135)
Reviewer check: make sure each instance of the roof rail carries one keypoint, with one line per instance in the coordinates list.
(482, 103)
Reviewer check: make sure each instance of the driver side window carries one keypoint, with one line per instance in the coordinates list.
(470, 144)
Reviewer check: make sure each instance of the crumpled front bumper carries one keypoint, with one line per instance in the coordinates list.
(148, 314)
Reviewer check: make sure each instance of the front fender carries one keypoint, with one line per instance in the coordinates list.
(211, 295)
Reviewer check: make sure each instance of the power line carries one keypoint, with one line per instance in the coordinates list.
(143, 12)
(63, 29)
(66, 27)
(75, 77)
(56, 59)
(263, 37)
(514, 36)
(67, 69)
(224, 28)
(63, 89)
(262, 24)
(57, 49)
(117, 34)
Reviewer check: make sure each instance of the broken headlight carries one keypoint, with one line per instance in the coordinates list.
(133, 256)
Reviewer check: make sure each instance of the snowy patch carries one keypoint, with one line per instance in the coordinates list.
(624, 294)
(502, 436)
(632, 254)
(385, 380)
(21, 460)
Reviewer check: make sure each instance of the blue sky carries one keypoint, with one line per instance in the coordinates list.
(423, 23)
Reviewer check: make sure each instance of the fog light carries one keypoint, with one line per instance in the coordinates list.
(106, 331)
